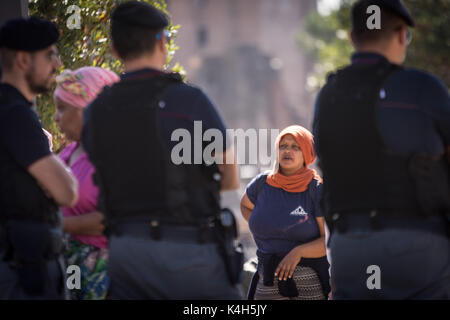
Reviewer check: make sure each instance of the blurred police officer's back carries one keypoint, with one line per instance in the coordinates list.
(32, 180)
(160, 217)
(382, 134)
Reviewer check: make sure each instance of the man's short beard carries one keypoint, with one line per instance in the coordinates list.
(35, 87)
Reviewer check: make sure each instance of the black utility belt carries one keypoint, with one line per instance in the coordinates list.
(372, 220)
(25, 241)
(165, 232)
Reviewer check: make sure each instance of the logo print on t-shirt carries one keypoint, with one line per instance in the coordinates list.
(299, 212)
(301, 216)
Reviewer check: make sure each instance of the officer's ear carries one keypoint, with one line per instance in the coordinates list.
(161, 44)
(353, 39)
(402, 38)
(23, 60)
(114, 51)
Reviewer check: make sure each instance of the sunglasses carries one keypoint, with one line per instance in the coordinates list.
(166, 34)
(408, 34)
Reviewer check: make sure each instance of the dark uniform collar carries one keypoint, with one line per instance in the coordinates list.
(367, 58)
(13, 93)
(141, 74)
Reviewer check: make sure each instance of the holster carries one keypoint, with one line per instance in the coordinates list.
(232, 253)
(430, 176)
(30, 245)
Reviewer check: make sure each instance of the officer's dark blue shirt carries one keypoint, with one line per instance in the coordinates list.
(184, 104)
(22, 142)
(21, 137)
(413, 110)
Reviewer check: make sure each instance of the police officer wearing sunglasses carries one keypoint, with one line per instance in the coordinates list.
(161, 218)
(383, 140)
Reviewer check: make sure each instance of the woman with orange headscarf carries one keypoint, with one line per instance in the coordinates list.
(285, 219)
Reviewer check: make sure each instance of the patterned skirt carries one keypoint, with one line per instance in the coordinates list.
(92, 262)
(306, 280)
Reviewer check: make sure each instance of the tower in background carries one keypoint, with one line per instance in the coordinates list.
(244, 54)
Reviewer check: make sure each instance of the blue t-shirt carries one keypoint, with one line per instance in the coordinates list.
(282, 220)
(22, 143)
(22, 140)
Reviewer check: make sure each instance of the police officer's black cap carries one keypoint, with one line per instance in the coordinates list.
(30, 34)
(141, 14)
(395, 6)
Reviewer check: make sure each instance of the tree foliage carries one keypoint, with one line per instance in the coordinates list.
(325, 39)
(430, 48)
(87, 46)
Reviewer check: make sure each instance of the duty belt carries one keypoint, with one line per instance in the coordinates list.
(56, 245)
(373, 220)
(152, 229)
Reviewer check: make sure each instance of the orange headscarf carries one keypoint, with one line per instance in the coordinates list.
(299, 181)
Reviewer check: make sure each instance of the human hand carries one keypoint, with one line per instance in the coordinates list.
(287, 266)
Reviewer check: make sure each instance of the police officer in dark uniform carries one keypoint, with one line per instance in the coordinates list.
(32, 180)
(382, 136)
(168, 237)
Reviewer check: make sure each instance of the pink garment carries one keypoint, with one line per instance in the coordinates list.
(83, 171)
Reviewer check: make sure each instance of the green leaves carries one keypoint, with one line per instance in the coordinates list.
(430, 46)
(325, 39)
(87, 46)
